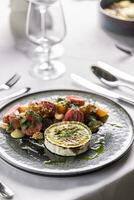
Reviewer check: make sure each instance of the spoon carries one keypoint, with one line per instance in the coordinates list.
(109, 79)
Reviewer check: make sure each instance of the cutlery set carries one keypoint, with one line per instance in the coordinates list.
(109, 76)
(5, 191)
(9, 84)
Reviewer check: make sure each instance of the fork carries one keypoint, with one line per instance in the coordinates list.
(9, 83)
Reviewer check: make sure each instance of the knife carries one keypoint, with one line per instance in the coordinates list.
(15, 94)
(116, 72)
(100, 90)
(18, 93)
(5, 191)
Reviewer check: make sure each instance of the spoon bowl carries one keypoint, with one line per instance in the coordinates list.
(109, 79)
(113, 84)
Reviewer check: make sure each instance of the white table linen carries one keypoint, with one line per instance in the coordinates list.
(85, 43)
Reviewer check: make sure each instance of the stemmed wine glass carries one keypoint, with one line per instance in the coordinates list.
(45, 27)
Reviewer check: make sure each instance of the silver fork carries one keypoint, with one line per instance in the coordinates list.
(8, 84)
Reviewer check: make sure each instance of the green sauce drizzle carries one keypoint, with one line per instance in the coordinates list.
(96, 152)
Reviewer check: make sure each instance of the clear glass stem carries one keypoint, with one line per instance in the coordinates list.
(46, 64)
(43, 11)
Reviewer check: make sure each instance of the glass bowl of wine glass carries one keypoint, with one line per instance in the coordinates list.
(45, 27)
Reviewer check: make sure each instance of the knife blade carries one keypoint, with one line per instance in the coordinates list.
(100, 90)
(15, 94)
(116, 72)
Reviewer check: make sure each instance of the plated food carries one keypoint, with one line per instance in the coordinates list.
(109, 140)
(65, 124)
(121, 9)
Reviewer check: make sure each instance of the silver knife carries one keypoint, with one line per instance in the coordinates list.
(15, 94)
(116, 72)
(100, 90)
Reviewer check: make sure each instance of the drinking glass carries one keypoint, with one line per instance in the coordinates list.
(45, 27)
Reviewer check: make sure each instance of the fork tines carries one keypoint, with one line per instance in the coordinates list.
(13, 80)
(9, 83)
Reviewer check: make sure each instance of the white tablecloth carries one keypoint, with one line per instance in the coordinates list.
(85, 43)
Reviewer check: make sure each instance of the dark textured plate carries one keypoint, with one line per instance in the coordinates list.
(116, 134)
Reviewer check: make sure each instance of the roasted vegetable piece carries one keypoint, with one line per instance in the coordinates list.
(59, 116)
(37, 136)
(76, 100)
(61, 105)
(17, 134)
(31, 124)
(23, 108)
(88, 108)
(102, 114)
(12, 112)
(43, 108)
(74, 115)
(94, 124)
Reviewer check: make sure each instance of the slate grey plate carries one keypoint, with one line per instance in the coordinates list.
(116, 134)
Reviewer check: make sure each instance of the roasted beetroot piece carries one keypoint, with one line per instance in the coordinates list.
(79, 101)
(43, 108)
(11, 113)
(31, 124)
(74, 115)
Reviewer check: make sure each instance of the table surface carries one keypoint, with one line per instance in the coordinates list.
(86, 43)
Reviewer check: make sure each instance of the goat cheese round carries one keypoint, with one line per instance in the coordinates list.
(67, 138)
